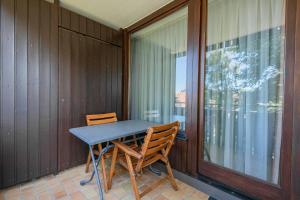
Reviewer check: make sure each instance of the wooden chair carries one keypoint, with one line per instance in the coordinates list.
(157, 145)
(96, 120)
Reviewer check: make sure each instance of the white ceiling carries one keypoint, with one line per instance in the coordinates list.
(114, 13)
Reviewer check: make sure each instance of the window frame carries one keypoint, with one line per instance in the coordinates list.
(237, 181)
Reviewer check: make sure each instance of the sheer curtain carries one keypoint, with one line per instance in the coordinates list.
(244, 86)
(154, 51)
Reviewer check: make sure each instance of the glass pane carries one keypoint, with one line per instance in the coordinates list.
(158, 70)
(244, 80)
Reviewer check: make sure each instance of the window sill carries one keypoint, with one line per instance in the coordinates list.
(181, 136)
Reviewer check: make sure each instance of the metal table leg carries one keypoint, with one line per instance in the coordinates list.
(95, 172)
(155, 171)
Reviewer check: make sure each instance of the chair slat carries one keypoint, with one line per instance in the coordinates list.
(165, 127)
(102, 121)
(166, 133)
(97, 119)
(159, 141)
(101, 116)
(155, 149)
(152, 160)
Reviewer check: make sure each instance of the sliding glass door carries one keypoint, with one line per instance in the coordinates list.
(158, 70)
(244, 89)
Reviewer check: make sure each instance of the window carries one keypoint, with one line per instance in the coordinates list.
(244, 90)
(158, 70)
(180, 90)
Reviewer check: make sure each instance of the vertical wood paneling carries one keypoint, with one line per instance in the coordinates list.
(82, 150)
(8, 92)
(21, 89)
(53, 86)
(28, 87)
(64, 138)
(119, 84)
(90, 28)
(102, 77)
(74, 22)
(44, 89)
(114, 78)
(90, 74)
(80, 24)
(33, 88)
(108, 94)
(84, 65)
(65, 18)
(75, 96)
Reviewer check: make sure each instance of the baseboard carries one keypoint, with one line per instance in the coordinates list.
(213, 192)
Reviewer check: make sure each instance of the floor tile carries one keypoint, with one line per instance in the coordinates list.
(65, 186)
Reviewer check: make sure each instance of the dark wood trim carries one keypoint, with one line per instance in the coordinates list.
(201, 185)
(246, 184)
(193, 49)
(90, 36)
(157, 15)
(125, 79)
(203, 23)
(295, 192)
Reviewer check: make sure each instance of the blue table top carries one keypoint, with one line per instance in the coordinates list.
(107, 132)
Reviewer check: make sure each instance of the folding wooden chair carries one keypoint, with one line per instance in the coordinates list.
(157, 145)
(97, 119)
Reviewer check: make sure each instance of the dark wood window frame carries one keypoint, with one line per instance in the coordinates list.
(197, 27)
(253, 186)
(187, 146)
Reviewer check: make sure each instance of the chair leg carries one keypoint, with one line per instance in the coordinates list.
(103, 169)
(112, 167)
(88, 162)
(132, 177)
(171, 177)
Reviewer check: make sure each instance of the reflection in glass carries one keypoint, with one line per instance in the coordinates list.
(158, 70)
(244, 86)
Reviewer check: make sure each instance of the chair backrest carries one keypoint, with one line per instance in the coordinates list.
(159, 139)
(97, 119)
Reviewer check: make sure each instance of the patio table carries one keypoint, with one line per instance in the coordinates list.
(97, 134)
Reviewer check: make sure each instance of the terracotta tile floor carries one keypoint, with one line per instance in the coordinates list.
(65, 185)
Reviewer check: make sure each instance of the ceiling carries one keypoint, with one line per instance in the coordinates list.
(114, 13)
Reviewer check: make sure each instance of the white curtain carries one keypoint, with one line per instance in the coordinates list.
(244, 86)
(153, 68)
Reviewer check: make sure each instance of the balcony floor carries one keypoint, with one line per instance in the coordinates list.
(65, 185)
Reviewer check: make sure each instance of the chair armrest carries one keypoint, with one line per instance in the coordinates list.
(126, 149)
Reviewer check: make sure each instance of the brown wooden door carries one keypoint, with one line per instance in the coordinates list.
(90, 73)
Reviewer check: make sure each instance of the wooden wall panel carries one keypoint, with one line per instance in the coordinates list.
(21, 89)
(178, 154)
(39, 99)
(88, 84)
(75, 22)
(295, 192)
(8, 92)
(28, 93)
